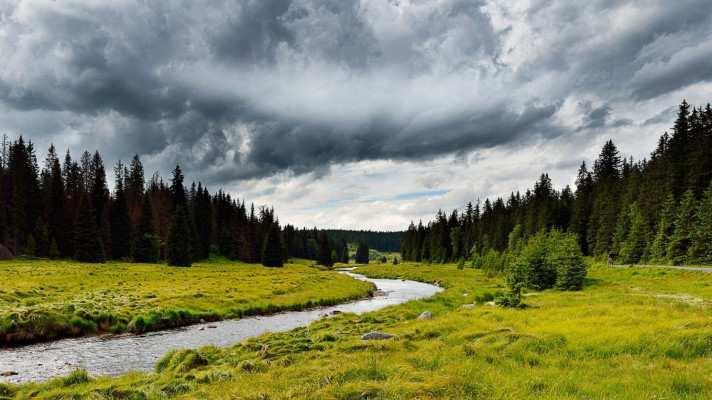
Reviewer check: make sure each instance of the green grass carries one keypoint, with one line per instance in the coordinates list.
(631, 334)
(43, 300)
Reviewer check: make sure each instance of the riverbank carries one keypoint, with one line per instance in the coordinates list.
(43, 300)
(632, 333)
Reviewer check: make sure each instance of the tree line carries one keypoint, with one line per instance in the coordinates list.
(655, 210)
(64, 209)
(381, 241)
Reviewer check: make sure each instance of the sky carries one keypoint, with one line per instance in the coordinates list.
(356, 114)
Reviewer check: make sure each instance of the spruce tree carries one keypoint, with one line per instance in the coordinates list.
(120, 220)
(700, 250)
(324, 257)
(88, 245)
(633, 248)
(666, 223)
(179, 239)
(146, 246)
(361, 256)
(540, 274)
(272, 247)
(565, 257)
(54, 250)
(682, 234)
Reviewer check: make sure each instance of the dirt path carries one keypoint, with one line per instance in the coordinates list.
(701, 269)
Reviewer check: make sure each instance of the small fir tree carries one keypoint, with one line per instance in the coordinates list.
(633, 247)
(179, 238)
(272, 248)
(565, 257)
(146, 245)
(54, 250)
(681, 237)
(324, 256)
(659, 246)
(88, 244)
(361, 256)
(700, 250)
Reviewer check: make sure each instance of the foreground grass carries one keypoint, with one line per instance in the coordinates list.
(43, 300)
(631, 334)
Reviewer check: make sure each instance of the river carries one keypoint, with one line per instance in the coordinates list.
(117, 354)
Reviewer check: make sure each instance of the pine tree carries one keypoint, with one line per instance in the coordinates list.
(362, 255)
(179, 238)
(666, 220)
(120, 220)
(272, 248)
(565, 257)
(633, 247)
(682, 234)
(54, 250)
(88, 245)
(605, 207)
(540, 274)
(30, 247)
(324, 257)
(700, 250)
(146, 246)
(178, 189)
(134, 187)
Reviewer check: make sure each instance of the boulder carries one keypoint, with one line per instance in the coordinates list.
(467, 306)
(426, 315)
(5, 253)
(376, 336)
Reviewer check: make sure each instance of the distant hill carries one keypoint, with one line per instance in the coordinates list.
(381, 241)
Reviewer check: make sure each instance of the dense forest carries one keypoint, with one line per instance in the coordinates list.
(314, 244)
(65, 210)
(381, 241)
(656, 210)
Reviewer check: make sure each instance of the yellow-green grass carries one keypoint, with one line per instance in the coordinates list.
(631, 334)
(43, 300)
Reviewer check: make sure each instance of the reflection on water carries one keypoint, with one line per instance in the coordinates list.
(116, 354)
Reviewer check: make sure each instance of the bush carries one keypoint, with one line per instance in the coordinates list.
(547, 260)
(564, 256)
(492, 262)
(540, 274)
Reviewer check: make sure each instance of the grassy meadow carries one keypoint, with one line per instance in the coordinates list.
(44, 299)
(631, 334)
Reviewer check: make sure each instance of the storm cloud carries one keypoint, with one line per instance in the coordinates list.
(241, 90)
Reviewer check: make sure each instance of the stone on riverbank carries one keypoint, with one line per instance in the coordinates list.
(425, 315)
(377, 336)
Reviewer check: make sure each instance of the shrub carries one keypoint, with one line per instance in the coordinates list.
(564, 256)
(540, 274)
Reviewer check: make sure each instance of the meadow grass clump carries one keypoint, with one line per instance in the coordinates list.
(76, 377)
(6, 391)
(184, 360)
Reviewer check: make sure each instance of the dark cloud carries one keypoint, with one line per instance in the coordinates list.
(238, 90)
